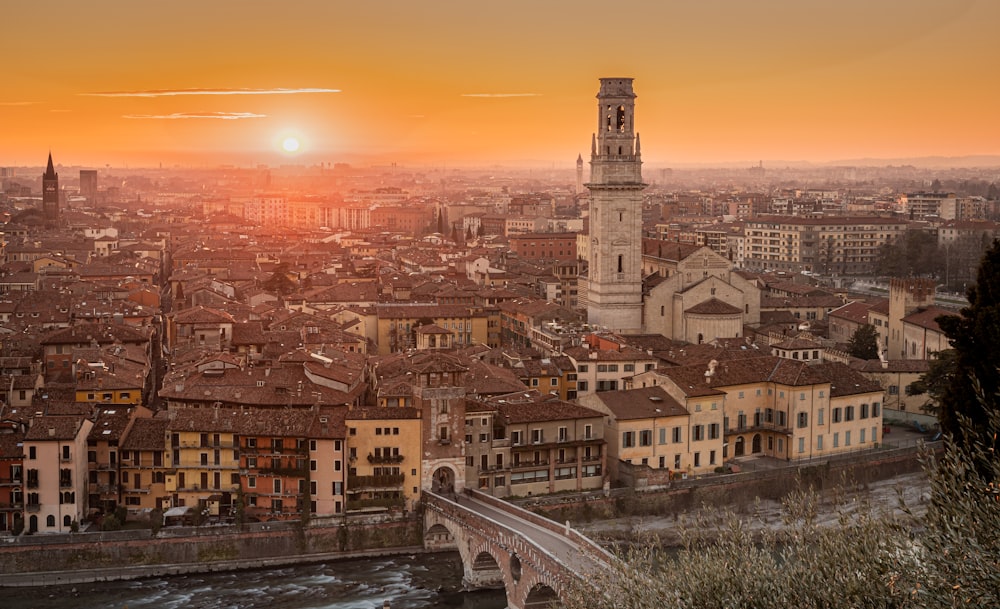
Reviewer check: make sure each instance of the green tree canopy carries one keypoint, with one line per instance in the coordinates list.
(934, 383)
(864, 342)
(975, 335)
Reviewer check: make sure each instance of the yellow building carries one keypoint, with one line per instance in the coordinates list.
(203, 458)
(144, 465)
(384, 447)
(646, 426)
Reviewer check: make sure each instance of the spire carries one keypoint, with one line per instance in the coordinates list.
(638, 151)
(593, 144)
(50, 170)
(579, 159)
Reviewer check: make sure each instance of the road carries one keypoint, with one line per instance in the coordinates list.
(571, 554)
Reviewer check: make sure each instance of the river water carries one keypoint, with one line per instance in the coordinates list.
(422, 581)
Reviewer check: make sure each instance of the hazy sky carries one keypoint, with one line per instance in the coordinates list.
(511, 81)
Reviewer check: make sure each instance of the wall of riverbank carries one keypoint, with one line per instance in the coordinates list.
(737, 491)
(129, 554)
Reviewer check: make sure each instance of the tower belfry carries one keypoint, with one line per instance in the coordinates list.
(50, 192)
(614, 292)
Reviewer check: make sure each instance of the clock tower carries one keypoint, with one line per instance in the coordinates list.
(614, 286)
(50, 193)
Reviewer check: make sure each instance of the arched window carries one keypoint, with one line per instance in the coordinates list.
(67, 521)
(50, 521)
(621, 263)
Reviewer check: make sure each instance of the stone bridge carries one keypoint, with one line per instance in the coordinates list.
(534, 559)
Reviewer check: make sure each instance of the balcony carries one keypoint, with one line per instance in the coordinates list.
(32, 507)
(383, 459)
(758, 426)
(393, 481)
(385, 502)
(10, 481)
(529, 464)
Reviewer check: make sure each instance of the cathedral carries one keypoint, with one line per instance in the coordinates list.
(633, 286)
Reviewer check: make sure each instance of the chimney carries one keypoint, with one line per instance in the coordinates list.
(52, 432)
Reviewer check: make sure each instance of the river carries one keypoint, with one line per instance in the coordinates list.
(423, 581)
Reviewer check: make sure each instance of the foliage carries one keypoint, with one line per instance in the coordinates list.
(864, 342)
(279, 282)
(934, 383)
(155, 521)
(110, 522)
(975, 336)
(962, 535)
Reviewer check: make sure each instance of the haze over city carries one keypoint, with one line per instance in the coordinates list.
(458, 83)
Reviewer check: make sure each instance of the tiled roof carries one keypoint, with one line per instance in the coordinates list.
(642, 403)
(544, 410)
(54, 428)
(714, 306)
(146, 434)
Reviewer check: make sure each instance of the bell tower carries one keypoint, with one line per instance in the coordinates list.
(50, 193)
(614, 289)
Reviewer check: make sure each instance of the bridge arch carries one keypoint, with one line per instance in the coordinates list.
(540, 596)
(496, 553)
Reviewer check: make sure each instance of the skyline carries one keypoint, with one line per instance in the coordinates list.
(463, 84)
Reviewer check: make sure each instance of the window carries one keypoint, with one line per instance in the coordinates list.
(819, 416)
(697, 459)
(876, 409)
(847, 438)
(676, 435)
(861, 435)
(713, 431)
(819, 442)
(581, 385)
(537, 436)
(563, 434)
(583, 368)
(849, 413)
(588, 432)
(836, 415)
(864, 412)
(31, 452)
(803, 419)
(251, 482)
(629, 367)
(698, 433)
(515, 438)
(663, 435)
(893, 389)
(646, 437)
(628, 439)
(802, 445)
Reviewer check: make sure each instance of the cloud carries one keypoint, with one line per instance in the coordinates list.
(501, 94)
(177, 92)
(226, 116)
(19, 103)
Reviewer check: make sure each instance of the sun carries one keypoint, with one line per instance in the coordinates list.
(290, 144)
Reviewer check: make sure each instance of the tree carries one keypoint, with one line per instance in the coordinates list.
(934, 383)
(975, 336)
(278, 282)
(864, 343)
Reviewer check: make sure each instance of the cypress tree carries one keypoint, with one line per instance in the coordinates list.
(975, 335)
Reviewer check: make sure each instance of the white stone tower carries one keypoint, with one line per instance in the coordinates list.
(579, 174)
(614, 287)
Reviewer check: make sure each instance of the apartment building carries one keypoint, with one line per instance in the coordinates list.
(842, 245)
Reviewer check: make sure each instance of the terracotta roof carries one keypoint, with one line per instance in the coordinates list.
(853, 311)
(926, 317)
(53, 428)
(642, 403)
(545, 410)
(714, 306)
(146, 434)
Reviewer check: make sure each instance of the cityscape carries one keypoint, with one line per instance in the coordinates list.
(432, 302)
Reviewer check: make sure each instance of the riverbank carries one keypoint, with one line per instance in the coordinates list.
(87, 576)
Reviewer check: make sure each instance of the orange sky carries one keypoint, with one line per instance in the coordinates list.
(469, 82)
